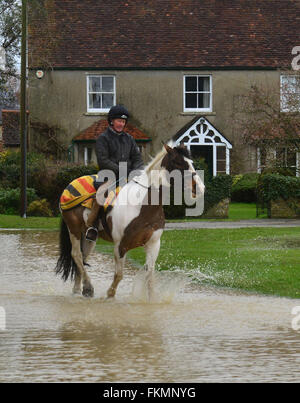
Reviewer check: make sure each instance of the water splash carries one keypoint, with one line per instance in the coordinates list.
(167, 287)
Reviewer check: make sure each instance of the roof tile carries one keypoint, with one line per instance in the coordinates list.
(92, 132)
(165, 34)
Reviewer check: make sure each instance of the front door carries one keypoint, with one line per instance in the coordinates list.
(205, 152)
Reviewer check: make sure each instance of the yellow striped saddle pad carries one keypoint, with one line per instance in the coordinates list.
(82, 191)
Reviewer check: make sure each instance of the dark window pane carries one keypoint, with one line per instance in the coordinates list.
(191, 100)
(95, 101)
(203, 84)
(221, 166)
(107, 100)
(191, 83)
(263, 156)
(280, 156)
(94, 84)
(291, 158)
(107, 84)
(203, 100)
(221, 153)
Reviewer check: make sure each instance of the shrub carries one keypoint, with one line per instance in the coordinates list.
(10, 163)
(10, 202)
(45, 176)
(274, 187)
(39, 208)
(67, 174)
(216, 189)
(244, 188)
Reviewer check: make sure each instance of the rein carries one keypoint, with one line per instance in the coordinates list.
(144, 186)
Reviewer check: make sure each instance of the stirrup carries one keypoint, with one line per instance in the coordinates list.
(91, 234)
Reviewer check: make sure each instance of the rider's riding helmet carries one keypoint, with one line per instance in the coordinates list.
(117, 112)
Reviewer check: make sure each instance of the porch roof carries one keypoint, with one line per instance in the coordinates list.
(93, 131)
(198, 131)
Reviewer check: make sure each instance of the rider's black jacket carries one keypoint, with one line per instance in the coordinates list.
(112, 148)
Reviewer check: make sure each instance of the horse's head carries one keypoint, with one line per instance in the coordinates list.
(179, 158)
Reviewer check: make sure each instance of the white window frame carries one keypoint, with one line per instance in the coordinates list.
(103, 110)
(285, 164)
(260, 167)
(86, 158)
(289, 88)
(210, 92)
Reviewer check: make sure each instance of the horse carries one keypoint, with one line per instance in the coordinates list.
(134, 220)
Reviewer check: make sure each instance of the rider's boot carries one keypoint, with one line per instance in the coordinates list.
(93, 222)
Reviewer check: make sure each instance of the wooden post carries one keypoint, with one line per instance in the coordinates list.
(23, 128)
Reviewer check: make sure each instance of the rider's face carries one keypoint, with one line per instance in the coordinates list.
(118, 124)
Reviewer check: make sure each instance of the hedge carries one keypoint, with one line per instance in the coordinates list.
(274, 186)
(10, 200)
(244, 188)
(216, 189)
(45, 176)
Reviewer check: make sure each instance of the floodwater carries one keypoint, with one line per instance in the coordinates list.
(190, 333)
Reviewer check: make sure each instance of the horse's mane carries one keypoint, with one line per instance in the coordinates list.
(158, 158)
(183, 151)
(155, 160)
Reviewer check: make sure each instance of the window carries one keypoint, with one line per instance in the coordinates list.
(101, 93)
(285, 158)
(290, 93)
(87, 155)
(197, 93)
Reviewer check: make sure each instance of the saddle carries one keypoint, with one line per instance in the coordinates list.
(82, 191)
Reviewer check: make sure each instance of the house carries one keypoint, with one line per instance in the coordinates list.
(182, 68)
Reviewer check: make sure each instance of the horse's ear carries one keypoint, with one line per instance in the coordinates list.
(168, 148)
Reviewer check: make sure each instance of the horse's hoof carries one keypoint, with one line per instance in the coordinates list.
(88, 291)
(110, 294)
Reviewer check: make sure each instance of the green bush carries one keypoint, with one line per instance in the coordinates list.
(10, 202)
(244, 188)
(45, 176)
(39, 208)
(67, 174)
(10, 168)
(274, 187)
(216, 189)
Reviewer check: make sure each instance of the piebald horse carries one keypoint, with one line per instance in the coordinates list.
(133, 221)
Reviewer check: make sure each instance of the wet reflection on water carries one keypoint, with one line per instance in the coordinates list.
(191, 333)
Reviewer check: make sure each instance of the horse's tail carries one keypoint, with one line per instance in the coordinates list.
(65, 264)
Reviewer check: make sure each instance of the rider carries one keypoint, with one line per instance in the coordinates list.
(113, 146)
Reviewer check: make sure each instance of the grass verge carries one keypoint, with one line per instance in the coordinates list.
(13, 221)
(261, 260)
(237, 211)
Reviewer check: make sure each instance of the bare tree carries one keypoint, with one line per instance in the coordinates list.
(10, 34)
(269, 120)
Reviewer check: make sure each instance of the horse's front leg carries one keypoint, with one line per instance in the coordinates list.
(152, 248)
(119, 265)
(81, 275)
